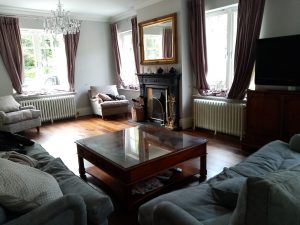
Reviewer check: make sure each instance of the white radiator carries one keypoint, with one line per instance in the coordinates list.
(220, 116)
(53, 107)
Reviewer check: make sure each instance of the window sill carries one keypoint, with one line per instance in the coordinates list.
(216, 98)
(42, 95)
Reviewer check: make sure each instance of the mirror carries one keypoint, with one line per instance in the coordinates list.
(158, 40)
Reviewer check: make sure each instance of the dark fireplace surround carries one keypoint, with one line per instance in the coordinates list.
(161, 97)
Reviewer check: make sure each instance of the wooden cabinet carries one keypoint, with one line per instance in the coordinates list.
(271, 115)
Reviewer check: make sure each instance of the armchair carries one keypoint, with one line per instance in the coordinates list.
(15, 118)
(106, 101)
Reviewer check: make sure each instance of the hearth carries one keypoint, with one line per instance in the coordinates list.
(161, 94)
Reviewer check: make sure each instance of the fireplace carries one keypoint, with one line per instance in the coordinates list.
(161, 95)
(157, 104)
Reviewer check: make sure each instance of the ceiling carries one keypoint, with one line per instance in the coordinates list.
(96, 10)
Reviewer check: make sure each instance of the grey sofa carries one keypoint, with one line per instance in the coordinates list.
(79, 204)
(15, 118)
(118, 104)
(264, 189)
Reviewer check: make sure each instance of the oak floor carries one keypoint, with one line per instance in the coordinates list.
(58, 139)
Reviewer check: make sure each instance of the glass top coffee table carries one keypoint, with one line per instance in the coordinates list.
(136, 154)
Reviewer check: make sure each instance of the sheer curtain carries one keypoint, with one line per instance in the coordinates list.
(197, 42)
(250, 14)
(135, 43)
(116, 54)
(11, 51)
(71, 44)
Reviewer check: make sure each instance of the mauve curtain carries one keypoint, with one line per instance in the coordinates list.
(167, 42)
(250, 14)
(197, 41)
(135, 43)
(11, 51)
(71, 44)
(116, 54)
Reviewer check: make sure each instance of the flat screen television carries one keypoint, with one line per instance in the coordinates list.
(278, 61)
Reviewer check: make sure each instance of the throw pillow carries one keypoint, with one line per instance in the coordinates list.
(269, 200)
(19, 158)
(226, 192)
(8, 104)
(295, 143)
(24, 188)
(104, 97)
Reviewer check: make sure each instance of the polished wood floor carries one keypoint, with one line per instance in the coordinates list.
(58, 139)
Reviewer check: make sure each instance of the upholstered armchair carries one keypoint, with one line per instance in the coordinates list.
(106, 101)
(15, 118)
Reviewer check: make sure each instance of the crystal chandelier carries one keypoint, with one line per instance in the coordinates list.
(60, 22)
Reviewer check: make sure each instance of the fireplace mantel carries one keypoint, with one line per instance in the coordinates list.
(170, 82)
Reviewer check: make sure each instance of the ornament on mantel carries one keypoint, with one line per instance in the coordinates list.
(160, 70)
(172, 70)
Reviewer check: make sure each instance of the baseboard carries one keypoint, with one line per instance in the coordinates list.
(84, 111)
(186, 122)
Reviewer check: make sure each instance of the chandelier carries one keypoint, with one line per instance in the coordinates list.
(60, 22)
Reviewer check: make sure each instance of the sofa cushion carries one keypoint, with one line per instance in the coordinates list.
(17, 116)
(25, 188)
(270, 200)
(8, 104)
(226, 192)
(104, 97)
(295, 143)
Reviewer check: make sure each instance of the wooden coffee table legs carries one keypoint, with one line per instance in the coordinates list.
(203, 170)
(81, 167)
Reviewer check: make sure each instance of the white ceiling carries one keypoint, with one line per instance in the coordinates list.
(99, 10)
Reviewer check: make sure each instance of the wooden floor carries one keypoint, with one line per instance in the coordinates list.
(58, 139)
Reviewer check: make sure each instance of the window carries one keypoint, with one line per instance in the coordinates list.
(153, 46)
(128, 69)
(44, 58)
(221, 26)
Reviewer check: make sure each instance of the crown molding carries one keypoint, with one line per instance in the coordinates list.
(146, 3)
(32, 13)
(122, 16)
(132, 12)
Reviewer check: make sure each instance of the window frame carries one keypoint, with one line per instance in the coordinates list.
(231, 32)
(134, 79)
(39, 82)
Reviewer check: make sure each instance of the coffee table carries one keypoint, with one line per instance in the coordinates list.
(136, 154)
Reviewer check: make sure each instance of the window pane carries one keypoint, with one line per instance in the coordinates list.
(153, 46)
(128, 69)
(45, 65)
(216, 33)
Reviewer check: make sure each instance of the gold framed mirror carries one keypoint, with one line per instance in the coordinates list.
(158, 40)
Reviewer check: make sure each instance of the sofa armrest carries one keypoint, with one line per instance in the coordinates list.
(67, 210)
(2, 117)
(27, 107)
(169, 213)
(98, 204)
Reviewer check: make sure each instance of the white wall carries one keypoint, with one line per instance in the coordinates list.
(281, 18)
(93, 61)
(212, 4)
(5, 83)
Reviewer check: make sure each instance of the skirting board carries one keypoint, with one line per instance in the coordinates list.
(186, 122)
(84, 111)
